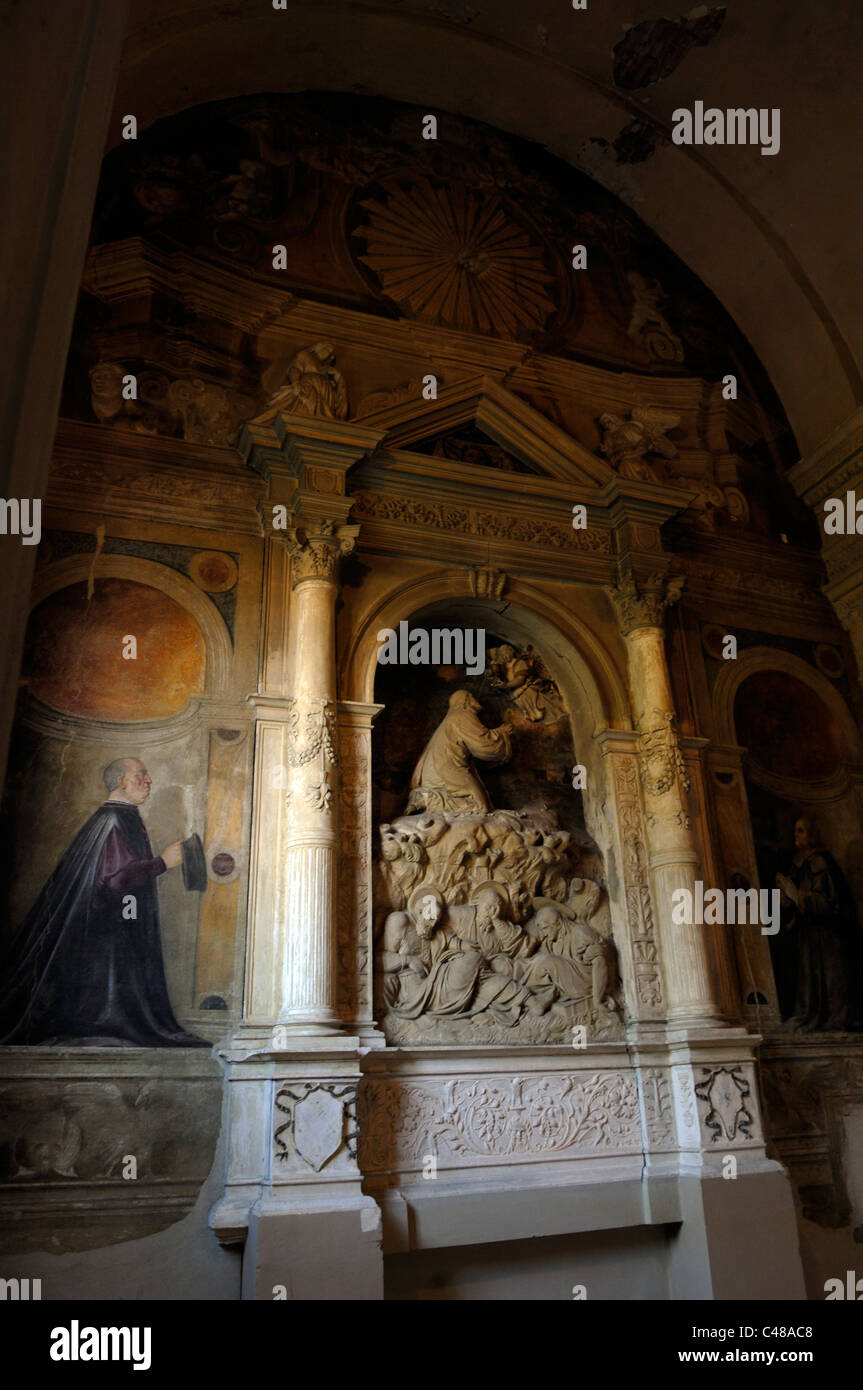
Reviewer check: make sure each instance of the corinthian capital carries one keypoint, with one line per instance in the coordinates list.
(315, 554)
(642, 602)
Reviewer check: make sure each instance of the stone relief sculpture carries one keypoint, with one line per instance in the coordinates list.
(648, 325)
(313, 385)
(493, 920)
(627, 442)
(523, 676)
(444, 778)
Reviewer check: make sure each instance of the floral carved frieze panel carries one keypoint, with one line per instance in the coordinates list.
(474, 522)
(472, 1121)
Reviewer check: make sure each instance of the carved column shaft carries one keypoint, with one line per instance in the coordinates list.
(312, 792)
(673, 856)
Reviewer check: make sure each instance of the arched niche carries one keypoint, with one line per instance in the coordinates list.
(591, 684)
(589, 690)
(763, 660)
(801, 753)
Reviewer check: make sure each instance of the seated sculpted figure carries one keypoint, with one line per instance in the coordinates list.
(444, 778)
(436, 964)
(571, 956)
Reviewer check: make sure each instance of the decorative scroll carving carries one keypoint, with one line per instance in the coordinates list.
(648, 979)
(150, 483)
(202, 412)
(465, 1120)
(724, 1091)
(354, 920)
(471, 521)
(321, 1121)
(626, 441)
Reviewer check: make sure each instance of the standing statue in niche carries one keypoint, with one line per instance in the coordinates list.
(819, 910)
(313, 385)
(444, 778)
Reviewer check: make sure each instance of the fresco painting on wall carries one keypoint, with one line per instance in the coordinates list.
(87, 964)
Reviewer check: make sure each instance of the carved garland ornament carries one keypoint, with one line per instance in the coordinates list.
(662, 761)
(320, 742)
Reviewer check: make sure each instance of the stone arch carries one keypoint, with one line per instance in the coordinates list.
(217, 642)
(755, 659)
(582, 668)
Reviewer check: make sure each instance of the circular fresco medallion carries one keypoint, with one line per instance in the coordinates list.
(713, 637)
(829, 660)
(213, 571)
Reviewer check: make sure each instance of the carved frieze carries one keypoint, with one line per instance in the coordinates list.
(476, 522)
(470, 1121)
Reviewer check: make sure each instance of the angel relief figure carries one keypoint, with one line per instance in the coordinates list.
(526, 681)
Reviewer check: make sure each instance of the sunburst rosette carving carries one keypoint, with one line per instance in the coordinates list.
(456, 256)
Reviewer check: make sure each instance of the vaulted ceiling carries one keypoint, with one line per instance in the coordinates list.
(772, 236)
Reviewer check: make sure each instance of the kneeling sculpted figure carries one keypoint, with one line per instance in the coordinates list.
(444, 778)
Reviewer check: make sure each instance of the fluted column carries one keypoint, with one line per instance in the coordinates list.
(312, 778)
(673, 857)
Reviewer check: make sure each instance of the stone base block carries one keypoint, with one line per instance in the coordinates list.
(331, 1254)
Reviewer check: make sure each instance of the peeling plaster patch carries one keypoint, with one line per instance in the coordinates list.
(599, 159)
(637, 142)
(650, 51)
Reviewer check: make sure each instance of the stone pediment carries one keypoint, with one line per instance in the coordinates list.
(479, 423)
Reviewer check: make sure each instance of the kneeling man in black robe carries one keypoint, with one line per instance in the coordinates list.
(86, 966)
